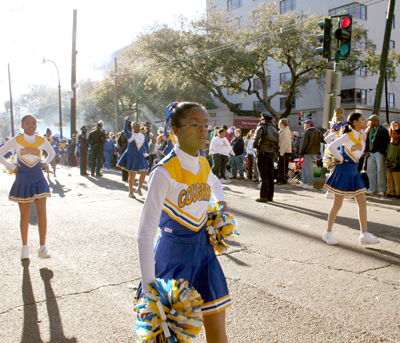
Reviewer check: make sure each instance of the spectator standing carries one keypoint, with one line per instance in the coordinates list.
(266, 143)
(122, 145)
(377, 141)
(251, 166)
(285, 151)
(71, 152)
(237, 160)
(394, 125)
(84, 147)
(392, 162)
(109, 150)
(214, 133)
(153, 148)
(220, 148)
(97, 138)
(310, 147)
(227, 134)
(295, 144)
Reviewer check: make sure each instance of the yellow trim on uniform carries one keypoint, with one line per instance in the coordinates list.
(215, 303)
(190, 227)
(25, 200)
(354, 139)
(345, 193)
(185, 176)
(21, 141)
(186, 214)
(350, 154)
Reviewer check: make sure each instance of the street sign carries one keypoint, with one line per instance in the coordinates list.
(57, 124)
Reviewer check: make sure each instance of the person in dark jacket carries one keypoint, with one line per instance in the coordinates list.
(310, 147)
(84, 147)
(237, 161)
(96, 140)
(71, 152)
(266, 143)
(122, 145)
(378, 139)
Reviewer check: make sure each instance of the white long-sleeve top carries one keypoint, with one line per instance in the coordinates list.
(353, 142)
(285, 141)
(12, 144)
(161, 184)
(250, 147)
(220, 146)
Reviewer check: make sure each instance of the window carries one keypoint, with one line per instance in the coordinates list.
(390, 100)
(269, 81)
(285, 78)
(282, 106)
(257, 84)
(354, 96)
(269, 59)
(287, 5)
(232, 4)
(357, 10)
(393, 20)
(239, 106)
(259, 106)
(391, 45)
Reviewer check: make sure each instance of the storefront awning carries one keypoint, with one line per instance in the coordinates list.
(243, 122)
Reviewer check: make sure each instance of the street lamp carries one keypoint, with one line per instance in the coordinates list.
(59, 95)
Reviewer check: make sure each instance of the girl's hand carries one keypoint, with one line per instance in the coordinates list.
(16, 170)
(340, 162)
(44, 165)
(224, 204)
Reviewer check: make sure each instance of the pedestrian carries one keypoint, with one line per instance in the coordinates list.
(377, 141)
(84, 147)
(96, 139)
(310, 147)
(285, 151)
(71, 152)
(394, 125)
(251, 166)
(153, 151)
(266, 143)
(392, 162)
(214, 133)
(179, 193)
(134, 159)
(54, 144)
(122, 145)
(295, 144)
(30, 184)
(109, 150)
(227, 134)
(237, 160)
(220, 149)
(346, 180)
(63, 152)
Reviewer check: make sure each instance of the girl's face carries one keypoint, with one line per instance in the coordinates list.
(252, 134)
(29, 125)
(360, 123)
(222, 134)
(237, 133)
(136, 128)
(395, 126)
(192, 132)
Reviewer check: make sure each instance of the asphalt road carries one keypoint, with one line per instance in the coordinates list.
(287, 285)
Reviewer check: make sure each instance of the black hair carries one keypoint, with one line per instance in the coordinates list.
(26, 116)
(220, 131)
(225, 127)
(181, 111)
(350, 120)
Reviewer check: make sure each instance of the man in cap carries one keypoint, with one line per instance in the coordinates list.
(378, 139)
(310, 147)
(84, 147)
(266, 143)
(96, 140)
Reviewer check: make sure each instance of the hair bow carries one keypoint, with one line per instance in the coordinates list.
(336, 126)
(168, 113)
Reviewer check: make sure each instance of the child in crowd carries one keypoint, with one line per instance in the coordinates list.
(392, 162)
(30, 184)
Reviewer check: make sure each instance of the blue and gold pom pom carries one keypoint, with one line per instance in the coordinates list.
(220, 225)
(329, 161)
(11, 159)
(170, 312)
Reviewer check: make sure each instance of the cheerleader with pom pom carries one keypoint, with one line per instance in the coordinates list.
(180, 188)
(345, 179)
(30, 184)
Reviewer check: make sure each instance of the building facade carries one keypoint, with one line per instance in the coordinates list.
(358, 89)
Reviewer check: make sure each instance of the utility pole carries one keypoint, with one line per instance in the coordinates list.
(11, 103)
(116, 97)
(387, 100)
(384, 56)
(73, 77)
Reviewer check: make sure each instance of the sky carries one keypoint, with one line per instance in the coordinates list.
(31, 30)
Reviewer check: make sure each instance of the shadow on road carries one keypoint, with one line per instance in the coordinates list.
(58, 188)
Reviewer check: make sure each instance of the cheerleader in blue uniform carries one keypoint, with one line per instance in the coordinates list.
(345, 179)
(30, 184)
(134, 158)
(180, 188)
(62, 150)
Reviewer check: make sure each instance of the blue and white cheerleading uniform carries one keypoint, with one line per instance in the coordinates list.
(345, 179)
(29, 183)
(62, 149)
(180, 188)
(133, 159)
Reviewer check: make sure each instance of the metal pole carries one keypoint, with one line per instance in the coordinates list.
(11, 103)
(137, 101)
(384, 56)
(116, 97)
(387, 100)
(59, 96)
(73, 76)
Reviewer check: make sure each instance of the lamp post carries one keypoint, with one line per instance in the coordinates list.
(137, 101)
(59, 95)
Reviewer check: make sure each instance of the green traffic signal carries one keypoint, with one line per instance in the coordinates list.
(325, 38)
(343, 35)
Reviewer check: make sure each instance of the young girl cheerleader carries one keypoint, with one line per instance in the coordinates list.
(346, 180)
(63, 152)
(134, 160)
(180, 188)
(30, 184)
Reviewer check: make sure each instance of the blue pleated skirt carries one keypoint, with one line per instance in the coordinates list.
(346, 180)
(132, 160)
(29, 186)
(193, 259)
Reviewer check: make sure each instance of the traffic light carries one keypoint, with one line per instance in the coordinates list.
(300, 118)
(343, 35)
(308, 115)
(325, 39)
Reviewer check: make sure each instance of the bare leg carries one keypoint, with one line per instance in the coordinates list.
(214, 324)
(142, 176)
(25, 209)
(54, 166)
(42, 219)
(337, 204)
(131, 181)
(362, 211)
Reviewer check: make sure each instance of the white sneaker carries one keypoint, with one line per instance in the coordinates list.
(223, 181)
(381, 194)
(25, 252)
(367, 239)
(305, 186)
(328, 238)
(259, 185)
(329, 195)
(43, 253)
(300, 184)
(370, 192)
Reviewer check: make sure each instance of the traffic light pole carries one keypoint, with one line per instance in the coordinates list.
(384, 57)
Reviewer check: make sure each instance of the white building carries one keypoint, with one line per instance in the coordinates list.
(358, 91)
